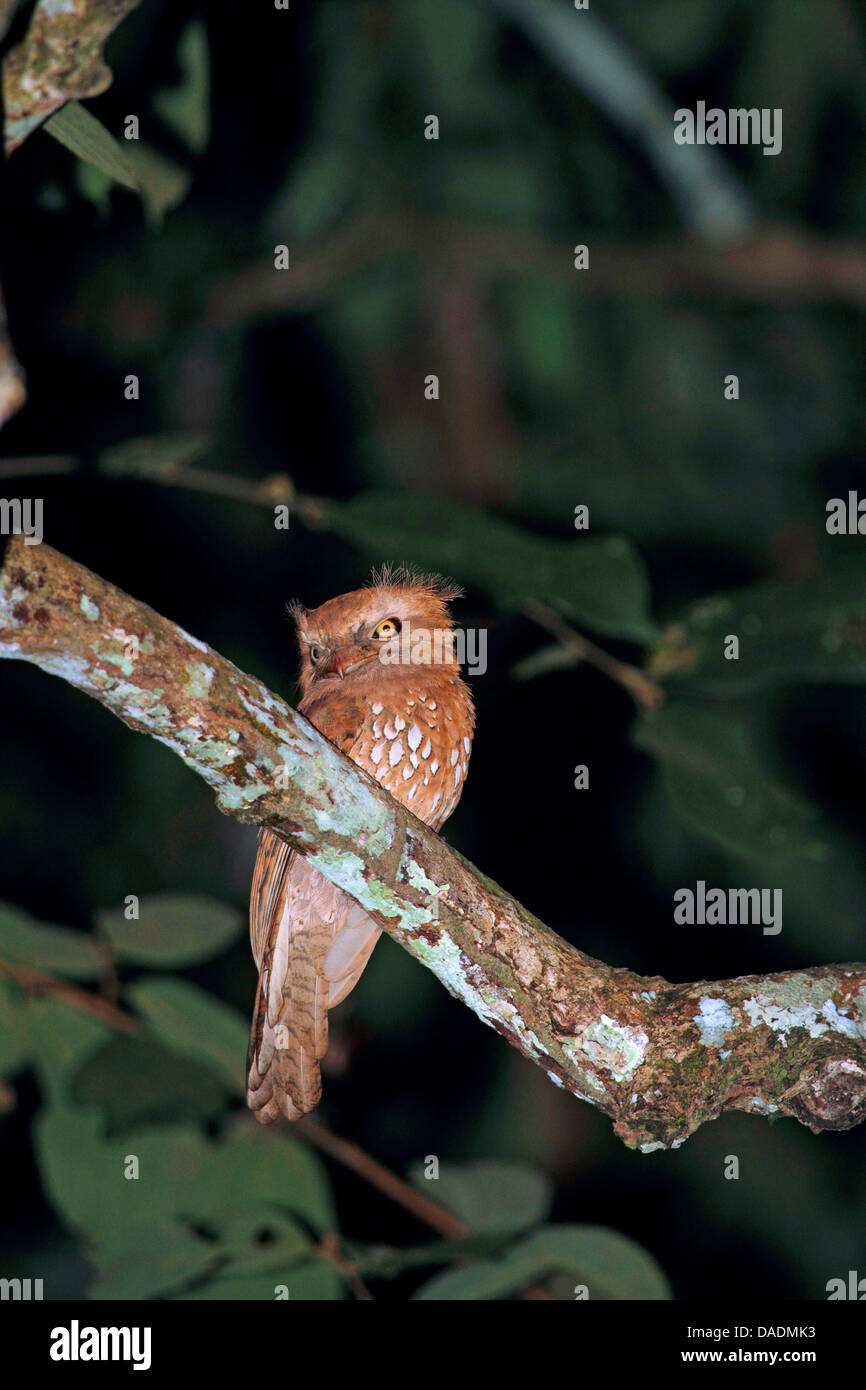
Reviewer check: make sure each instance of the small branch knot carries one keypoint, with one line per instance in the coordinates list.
(829, 1095)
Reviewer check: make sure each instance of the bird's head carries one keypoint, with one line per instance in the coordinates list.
(400, 619)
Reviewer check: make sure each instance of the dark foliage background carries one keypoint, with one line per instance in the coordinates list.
(555, 391)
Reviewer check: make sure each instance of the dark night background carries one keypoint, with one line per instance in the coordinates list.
(556, 390)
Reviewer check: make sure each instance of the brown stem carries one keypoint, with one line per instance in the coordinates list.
(374, 1173)
(639, 686)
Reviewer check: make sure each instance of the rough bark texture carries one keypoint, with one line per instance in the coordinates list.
(659, 1058)
(59, 59)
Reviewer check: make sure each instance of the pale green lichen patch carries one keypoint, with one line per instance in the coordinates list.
(804, 1003)
(89, 608)
(456, 972)
(200, 680)
(309, 759)
(614, 1047)
(411, 872)
(346, 870)
(714, 1021)
(116, 656)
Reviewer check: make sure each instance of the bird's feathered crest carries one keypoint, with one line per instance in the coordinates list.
(408, 578)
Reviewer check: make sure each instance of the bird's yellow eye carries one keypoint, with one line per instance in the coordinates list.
(389, 627)
(315, 653)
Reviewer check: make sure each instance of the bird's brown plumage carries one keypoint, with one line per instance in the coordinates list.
(397, 705)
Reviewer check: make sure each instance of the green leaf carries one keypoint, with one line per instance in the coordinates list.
(260, 1239)
(56, 950)
(160, 1257)
(542, 336)
(185, 108)
(609, 1264)
(162, 182)
(149, 453)
(498, 185)
(317, 194)
(61, 1038)
(84, 1172)
(173, 929)
(14, 1036)
(193, 1023)
(719, 789)
(312, 1281)
(599, 582)
(490, 1196)
(136, 1081)
(80, 131)
(451, 42)
(612, 1265)
(260, 1166)
(241, 1184)
(801, 630)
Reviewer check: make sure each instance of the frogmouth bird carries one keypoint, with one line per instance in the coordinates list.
(379, 678)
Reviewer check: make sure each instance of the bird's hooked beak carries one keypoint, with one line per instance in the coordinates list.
(345, 659)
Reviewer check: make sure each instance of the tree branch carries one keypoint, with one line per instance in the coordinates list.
(778, 263)
(660, 1059)
(59, 59)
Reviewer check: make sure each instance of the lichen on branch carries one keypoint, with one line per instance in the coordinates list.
(660, 1059)
(59, 59)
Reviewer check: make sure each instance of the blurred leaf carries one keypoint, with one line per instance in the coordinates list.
(370, 311)
(557, 657)
(151, 452)
(499, 185)
(717, 786)
(311, 1281)
(260, 1239)
(674, 34)
(224, 1187)
(84, 1172)
(56, 950)
(173, 929)
(490, 1196)
(611, 1265)
(80, 131)
(14, 1037)
(594, 58)
(541, 330)
(318, 193)
(95, 186)
(61, 1037)
(599, 582)
(452, 43)
(805, 629)
(135, 1081)
(162, 182)
(154, 1260)
(193, 1023)
(259, 1166)
(185, 108)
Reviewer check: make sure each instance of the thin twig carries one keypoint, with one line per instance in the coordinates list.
(353, 1157)
(645, 691)
(36, 982)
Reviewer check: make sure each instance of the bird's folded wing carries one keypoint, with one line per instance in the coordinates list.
(311, 943)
